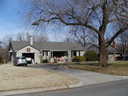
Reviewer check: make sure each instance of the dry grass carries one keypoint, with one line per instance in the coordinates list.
(16, 78)
(116, 68)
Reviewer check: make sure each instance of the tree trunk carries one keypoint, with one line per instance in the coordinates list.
(103, 56)
(103, 52)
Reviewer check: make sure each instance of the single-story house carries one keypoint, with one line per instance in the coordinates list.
(44, 50)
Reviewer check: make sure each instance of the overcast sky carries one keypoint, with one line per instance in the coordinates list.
(13, 17)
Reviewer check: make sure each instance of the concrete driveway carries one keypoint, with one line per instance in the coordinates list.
(85, 77)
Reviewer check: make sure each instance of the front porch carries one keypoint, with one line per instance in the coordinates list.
(60, 53)
(48, 54)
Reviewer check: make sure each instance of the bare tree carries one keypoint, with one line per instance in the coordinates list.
(36, 37)
(36, 33)
(85, 37)
(20, 36)
(97, 15)
(82, 36)
(122, 45)
(40, 38)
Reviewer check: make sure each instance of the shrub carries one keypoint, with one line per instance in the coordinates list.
(91, 56)
(79, 59)
(75, 59)
(45, 61)
(1, 60)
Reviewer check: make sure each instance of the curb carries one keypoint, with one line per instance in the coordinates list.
(15, 92)
(34, 90)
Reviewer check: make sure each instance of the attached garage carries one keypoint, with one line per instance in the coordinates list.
(29, 55)
(29, 52)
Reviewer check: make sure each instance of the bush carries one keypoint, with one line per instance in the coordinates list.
(91, 56)
(45, 61)
(79, 59)
(1, 60)
(42, 60)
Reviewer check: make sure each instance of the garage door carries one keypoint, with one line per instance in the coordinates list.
(30, 55)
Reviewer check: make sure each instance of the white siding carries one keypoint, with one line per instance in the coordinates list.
(82, 53)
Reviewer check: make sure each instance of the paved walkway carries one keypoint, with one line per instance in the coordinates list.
(85, 77)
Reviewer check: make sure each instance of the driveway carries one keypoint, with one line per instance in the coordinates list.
(85, 77)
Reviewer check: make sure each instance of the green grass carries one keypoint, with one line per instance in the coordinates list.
(120, 63)
(115, 68)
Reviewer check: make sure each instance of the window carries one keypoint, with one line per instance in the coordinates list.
(28, 49)
(74, 53)
(45, 52)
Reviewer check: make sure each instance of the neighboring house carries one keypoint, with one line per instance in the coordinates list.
(44, 50)
(118, 52)
(113, 54)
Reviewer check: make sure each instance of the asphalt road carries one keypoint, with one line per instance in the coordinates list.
(116, 88)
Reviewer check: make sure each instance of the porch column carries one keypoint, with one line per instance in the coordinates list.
(45, 57)
(49, 54)
(69, 56)
(77, 53)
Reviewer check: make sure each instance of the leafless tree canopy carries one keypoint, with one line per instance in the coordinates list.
(122, 45)
(37, 37)
(83, 36)
(96, 15)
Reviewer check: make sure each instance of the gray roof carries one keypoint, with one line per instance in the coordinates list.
(60, 46)
(112, 50)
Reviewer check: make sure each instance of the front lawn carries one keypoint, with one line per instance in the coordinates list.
(116, 68)
(20, 78)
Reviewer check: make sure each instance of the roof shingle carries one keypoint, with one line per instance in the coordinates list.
(58, 46)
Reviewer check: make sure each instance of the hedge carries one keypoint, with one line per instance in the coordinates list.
(79, 59)
(91, 56)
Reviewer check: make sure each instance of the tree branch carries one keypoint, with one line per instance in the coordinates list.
(116, 35)
(36, 23)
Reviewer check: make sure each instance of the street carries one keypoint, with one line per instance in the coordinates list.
(116, 88)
